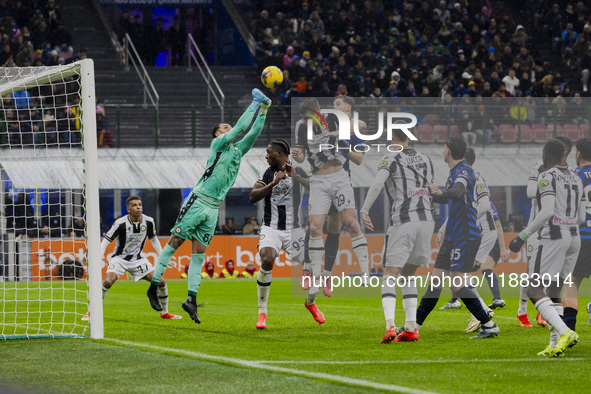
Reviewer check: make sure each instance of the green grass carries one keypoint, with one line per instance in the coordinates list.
(444, 360)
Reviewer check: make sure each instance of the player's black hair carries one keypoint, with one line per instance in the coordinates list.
(568, 144)
(132, 198)
(584, 147)
(281, 145)
(470, 156)
(310, 102)
(456, 146)
(400, 135)
(215, 129)
(554, 150)
(347, 100)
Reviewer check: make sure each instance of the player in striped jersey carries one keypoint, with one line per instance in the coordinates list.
(275, 185)
(532, 188)
(408, 239)
(461, 240)
(562, 205)
(329, 184)
(198, 216)
(498, 253)
(335, 220)
(131, 232)
(582, 268)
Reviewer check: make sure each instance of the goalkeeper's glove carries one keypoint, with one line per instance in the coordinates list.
(517, 242)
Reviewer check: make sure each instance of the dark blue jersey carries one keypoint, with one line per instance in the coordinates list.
(353, 142)
(585, 174)
(462, 224)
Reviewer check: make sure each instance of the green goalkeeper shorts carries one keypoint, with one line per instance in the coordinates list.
(197, 220)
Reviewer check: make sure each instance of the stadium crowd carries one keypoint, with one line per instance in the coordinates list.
(33, 34)
(421, 48)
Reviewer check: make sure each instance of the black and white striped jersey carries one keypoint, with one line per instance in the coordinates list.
(410, 173)
(481, 190)
(297, 193)
(278, 203)
(567, 188)
(322, 148)
(533, 177)
(131, 237)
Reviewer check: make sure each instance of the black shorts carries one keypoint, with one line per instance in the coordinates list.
(495, 253)
(458, 256)
(583, 265)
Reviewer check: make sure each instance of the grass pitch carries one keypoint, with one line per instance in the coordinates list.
(295, 354)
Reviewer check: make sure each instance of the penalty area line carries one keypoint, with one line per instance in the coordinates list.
(361, 362)
(259, 365)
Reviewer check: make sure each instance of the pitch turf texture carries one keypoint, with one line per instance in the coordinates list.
(144, 353)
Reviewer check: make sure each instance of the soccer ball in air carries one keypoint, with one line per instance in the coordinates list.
(271, 77)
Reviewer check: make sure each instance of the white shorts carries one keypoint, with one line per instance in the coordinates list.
(408, 243)
(137, 268)
(552, 257)
(298, 245)
(489, 238)
(530, 245)
(275, 239)
(326, 190)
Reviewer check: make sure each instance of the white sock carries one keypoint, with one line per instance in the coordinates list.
(306, 266)
(316, 283)
(409, 303)
(359, 245)
(325, 273)
(523, 299)
(105, 291)
(263, 286)
(554, 337)
(163, 296)
(389, 299)
(546, 308)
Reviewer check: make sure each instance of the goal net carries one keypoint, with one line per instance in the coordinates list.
(50, 270)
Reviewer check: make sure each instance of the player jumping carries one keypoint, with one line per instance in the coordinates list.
(198, 216)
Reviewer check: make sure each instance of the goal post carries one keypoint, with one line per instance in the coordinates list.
(49, 177)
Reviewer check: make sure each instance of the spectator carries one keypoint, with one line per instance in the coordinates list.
(177, 37)
(511, 82)
(585, 68)
(102, 127)
(79, 227)
(578, 112)
(252, 227)
(209, 271)
(61, 39)
(230, 271)
(250, 271)
(316, 24)
(230, 227)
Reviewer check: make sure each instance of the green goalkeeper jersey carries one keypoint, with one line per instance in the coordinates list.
(225, 157)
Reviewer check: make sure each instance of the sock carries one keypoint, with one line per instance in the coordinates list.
(263, 287)
(470, 299)
(523, 298)
(331, 249)
(389, 299)
(546, 308)
(427, 304)
(570, 317)
(493, 283)
(162, 263)
(409, 304)
(316, 281)
(105, 291)
(163, 296)
(316, 251)
(194, 275)
(360, 248)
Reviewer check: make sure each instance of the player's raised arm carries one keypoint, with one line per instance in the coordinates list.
(263, 102)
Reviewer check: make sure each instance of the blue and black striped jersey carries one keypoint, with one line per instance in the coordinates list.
(462, 224)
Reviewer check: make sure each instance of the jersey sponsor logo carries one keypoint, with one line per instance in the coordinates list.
(480, 187)
(564, 222)
(383, 163)
(143, 228)
(422, 192)
(544, 183)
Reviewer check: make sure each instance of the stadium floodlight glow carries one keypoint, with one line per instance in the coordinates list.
(49, 176)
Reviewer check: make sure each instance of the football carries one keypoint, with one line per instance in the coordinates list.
(271, 77)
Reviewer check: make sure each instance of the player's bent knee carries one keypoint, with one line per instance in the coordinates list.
(161, 283)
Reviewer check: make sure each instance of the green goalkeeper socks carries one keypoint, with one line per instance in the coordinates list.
(194, 273)
(162, 263)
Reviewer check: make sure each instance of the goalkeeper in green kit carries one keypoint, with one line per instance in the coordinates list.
(199, 214)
